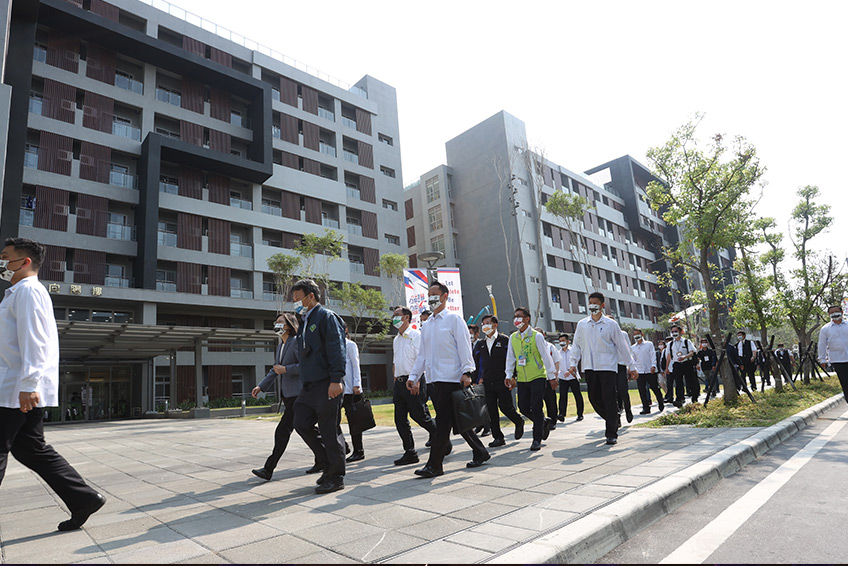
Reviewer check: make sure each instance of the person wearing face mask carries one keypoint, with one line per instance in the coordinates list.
(681, 367)
(285, 375)
(645, 357)
(474, 333)
(490, 358)
(833, 346)
(622, 386)
(600, 345)
(406, 346)
(568, 381)
(29, 380)
(745, 357)
(785, 357)
(550, 391)
(446, 357)
(352, 394)
(707, 359)
(323, 357)
(530, 368)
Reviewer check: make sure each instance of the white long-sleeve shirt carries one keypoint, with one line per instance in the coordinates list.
(741, 344)
(600, 345)
(645, 356)
(833, 343)
(544, 351)
(566, 365)
(679, 346)
(353, 377)
(445, 352)
(405, 351)
(29, 345)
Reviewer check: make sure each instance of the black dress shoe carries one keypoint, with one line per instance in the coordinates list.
(347, 448)
(661, 406)
(553, 423)
(478, 460)
(78, 518)
(428, 443)
(561, 418)
(486, 432)
(536, 445)
(356, 456)
(497, 442)
(315, 469)
(629, 414)
(580, 418)
(644, 411)
(321, 479)
(547, 429)
(519, 430)
(449, 449)
(409, 457)
(612, 441)
(330, 486)
(262, 473)
(428, 472)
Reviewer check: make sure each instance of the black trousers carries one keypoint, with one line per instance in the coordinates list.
(355, 437)
(22, 434)
(441, 397)
(531, 399)
(573, 385)
(603, 395)
(685, 373)
(550, 402)
(749, 368)
(841, 369)
(622, 388)
(409, 406)
(282, 434)
(646, 383)
(498, 396)
(311, 408)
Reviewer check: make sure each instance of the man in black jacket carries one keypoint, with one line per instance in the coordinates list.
(744, 355)
(490, 358)
(785, 357)
(322, 354)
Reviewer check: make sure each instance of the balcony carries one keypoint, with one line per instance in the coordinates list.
(327, 148)
(348, 122)
(129, 84)
(125, 180)
(166, 286)
(122, 282)
(126, 131)
(36, 105)
(275, 94)
(240, 250)
(241, 203)
(352, 157)
(39, 54)
(326, 114)
(169, 188)
(330, 222)
(272, 210)
(27, 217)
(239, 120)
(357, 268)
(31, 157)
(241, 294)
(117, 231)
(354, 229)
(269, 296)
(168, 96)
(276, 132)
(354, 193)
(168, 239)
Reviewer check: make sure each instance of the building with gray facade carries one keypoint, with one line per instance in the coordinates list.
(162, 165)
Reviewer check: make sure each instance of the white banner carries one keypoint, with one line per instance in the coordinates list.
(415, 286)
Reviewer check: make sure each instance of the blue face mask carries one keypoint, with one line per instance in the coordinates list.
(298, 307)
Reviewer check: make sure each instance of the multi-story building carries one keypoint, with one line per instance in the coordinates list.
(489, 218)
(163, 164)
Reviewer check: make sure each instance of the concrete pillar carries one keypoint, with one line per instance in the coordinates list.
(198, 372)
(173, 360)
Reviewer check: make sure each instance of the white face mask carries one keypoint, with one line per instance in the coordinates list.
(675, 334)
(833, 315)
(298, 307)
(280, 329)
(487, 329)
(397, 321)
(6, 274)
(563, 345)
(638, 337)
(518, 322)
(594, 309)
(434, 301)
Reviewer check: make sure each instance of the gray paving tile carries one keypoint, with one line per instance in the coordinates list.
(177, 551)
(441, 552)
(437, 527)
(535, 518)
(277, 550)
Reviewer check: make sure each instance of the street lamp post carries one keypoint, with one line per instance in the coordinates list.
(431, 259)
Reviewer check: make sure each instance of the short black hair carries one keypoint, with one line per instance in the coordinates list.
(525, 310)
(828, 308)
(307, 286)
(426, 311)
(490, 317)
(639, 330)
(566, 336)
(598, 295)
(677, 326)
(474, 327)
(30, 248)
(442, 287)
(741, 332)
(404, 311)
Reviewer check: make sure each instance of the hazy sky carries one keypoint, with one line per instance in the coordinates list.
(592, 80)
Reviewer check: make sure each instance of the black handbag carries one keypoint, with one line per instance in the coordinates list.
(360, 417)
(469, 408)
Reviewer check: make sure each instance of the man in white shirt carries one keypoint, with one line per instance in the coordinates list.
(645, 357)
(681, 366)
(445, 356)
(550, 391)
(746, 358)
(833, 346)
(599, 344)
(567, 381)
(406, 346)
(352, 394)
(29, 380)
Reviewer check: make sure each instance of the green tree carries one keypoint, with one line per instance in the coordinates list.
(284, 268)
(571, 209)
(707, 196)
(392, 266)
(368, 310)
(317, 253)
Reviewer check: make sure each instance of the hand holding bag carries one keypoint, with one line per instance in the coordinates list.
(360, 417)
(469, 408)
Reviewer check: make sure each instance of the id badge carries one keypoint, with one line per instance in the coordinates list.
(522, 360)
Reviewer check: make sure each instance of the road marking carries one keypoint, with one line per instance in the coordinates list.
(698, 548)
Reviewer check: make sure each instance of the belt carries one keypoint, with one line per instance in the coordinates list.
(402, 378)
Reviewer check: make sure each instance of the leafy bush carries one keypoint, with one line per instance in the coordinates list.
(229, 402)
(378, 394)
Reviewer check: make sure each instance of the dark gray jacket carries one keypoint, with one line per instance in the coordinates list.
(321, 347)
(290, 381)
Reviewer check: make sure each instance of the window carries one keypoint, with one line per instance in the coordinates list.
(388, 172)
(115, 276)
(125, 128)
(385, 139)
(237, 201)
(119, 176)
(166, 280)
(272, 206)
(531, 246)
(126, 81)
(435, 214)
(354, 226)
(36, 103)
(39, 52)
(605, 252)
(167, 133)
(390, 204)
(117, 228)
(437, 244)
(235, 118)
(238, 248)
(353, 191)
(555, 295)
(534, 279)
(169, 185)
(31, 156)
(618, 283)
(169, 95)
(167, 235)
(581, 303)
(27, 215)
(394, 240)
(432, 188)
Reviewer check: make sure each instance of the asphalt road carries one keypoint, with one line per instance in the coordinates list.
(790, 506)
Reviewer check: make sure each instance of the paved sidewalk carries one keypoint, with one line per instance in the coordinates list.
(182, 491)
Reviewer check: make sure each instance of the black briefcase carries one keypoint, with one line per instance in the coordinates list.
(469, 408)
(360, 417)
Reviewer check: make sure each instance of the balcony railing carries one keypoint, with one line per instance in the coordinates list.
(126, 131)
(330, 222)
(239, 120)
(326, 114)
(348, 122)
(165, 286)
(169, 188)
(277, 132)
(355, 229)
(354, 193)
(169, 97)
(240, 250)
(327, 148)
(272, 210)
(31, 158)
(269, 296)
(168, 239)
(357, 268)
(129, 84)
(39, 54)
(122, 282)
(352, 157)
(241, 203)
(27, 217)
(36, 105)
(117, 231)
(119, 179)
(241, 294)
(275, 94)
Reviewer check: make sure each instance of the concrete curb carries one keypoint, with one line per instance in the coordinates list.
(591, 537)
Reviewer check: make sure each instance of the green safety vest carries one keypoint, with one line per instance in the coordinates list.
(528, 348)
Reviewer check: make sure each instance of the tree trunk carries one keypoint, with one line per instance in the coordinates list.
(730, 393)
(803, 344)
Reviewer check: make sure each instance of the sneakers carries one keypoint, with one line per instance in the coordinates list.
(409, 457)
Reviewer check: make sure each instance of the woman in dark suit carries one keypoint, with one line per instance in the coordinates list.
(287, 370)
